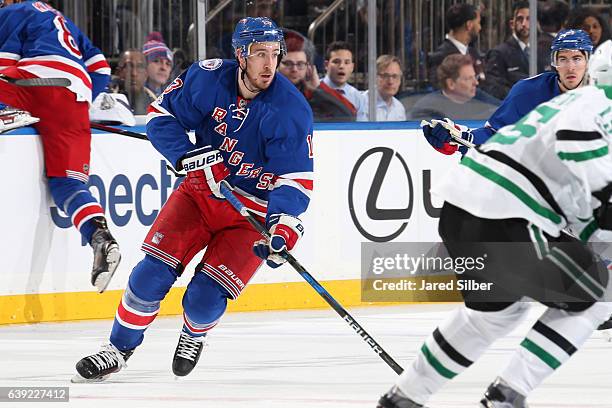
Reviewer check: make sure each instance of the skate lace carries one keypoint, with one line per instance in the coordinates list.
(188, 346)
(108, 357)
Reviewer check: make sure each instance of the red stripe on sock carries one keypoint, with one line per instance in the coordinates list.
(133, 318)
(87, 211)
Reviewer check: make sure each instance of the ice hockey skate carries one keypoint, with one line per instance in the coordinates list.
(395, 398)
(106, 256)
(187, 353)
(606, 330)
(98, 367)
(501, 395)
(11, 118)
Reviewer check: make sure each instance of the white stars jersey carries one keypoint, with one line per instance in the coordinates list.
(544, 168)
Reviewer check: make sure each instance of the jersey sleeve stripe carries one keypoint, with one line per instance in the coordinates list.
(95, 60)
(307, 175)
(574, 135)
(101, 67)
(155, 110)
(583, 156)
(307, 191)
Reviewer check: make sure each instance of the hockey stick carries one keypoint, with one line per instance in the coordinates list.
(454, 133)
(227, 193)
(118, 131)
(61, 82)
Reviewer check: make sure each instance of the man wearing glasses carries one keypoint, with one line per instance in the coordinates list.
(132, 76)
(327, 104)
(388, 80)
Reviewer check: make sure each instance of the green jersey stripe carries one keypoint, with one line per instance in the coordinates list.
(583, 156)
(512, 188)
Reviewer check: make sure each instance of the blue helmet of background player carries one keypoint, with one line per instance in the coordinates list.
(573, 39)
(251, 30)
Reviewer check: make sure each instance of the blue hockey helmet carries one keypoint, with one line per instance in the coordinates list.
(251, 30)
(573, 39)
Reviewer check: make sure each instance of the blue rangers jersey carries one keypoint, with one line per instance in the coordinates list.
(266, 143)
(37, 39)
(523, 97)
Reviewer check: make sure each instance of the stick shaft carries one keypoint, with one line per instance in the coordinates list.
(118, 131)
(227, 193)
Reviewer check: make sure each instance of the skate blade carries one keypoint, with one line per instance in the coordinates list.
(112, 259)
(78, 379)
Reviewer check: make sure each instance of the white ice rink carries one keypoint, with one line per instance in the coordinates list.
(297, 359)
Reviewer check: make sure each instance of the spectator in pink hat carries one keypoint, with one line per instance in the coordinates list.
(159, 62)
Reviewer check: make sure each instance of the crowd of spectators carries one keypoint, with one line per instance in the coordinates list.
(463, 81)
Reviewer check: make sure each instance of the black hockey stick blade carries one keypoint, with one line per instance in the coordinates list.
(61, 82)
(118, 131)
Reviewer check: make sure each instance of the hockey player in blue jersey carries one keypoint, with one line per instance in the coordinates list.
(37, 41)
(253, 131)
(570, 52)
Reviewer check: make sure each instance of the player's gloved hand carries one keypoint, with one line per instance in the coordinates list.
(438, 134)
(285, 231)
(205, 170)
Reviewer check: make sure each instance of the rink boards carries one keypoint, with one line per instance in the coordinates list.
(46, 268)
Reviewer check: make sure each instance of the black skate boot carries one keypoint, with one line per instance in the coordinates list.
(106, 255)
(606, 329)
(501, 395)
(395, 398)
(98, 367)
(187, 353)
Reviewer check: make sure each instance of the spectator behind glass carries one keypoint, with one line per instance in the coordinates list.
(507, 63)
(458, 83)
(327, 104)
(388, 80)
(591, 21)
(339, 65)
(551, 18)
(159, 62)
(132, 75)
(463, 21)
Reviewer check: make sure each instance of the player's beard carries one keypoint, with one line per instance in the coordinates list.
(255, 83)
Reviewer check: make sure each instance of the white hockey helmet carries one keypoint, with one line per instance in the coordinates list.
(600, 64)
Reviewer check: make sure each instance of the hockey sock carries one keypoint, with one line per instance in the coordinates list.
(454, 346)
(204, 303)
(552, 340)
(74, 198)
(149, 283)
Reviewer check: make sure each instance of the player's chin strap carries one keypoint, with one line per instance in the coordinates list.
(243, 74)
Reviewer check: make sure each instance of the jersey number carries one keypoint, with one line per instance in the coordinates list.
(65, 38)
(527, 126)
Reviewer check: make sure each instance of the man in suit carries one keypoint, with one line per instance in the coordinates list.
(509, 61)
(463, 21)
